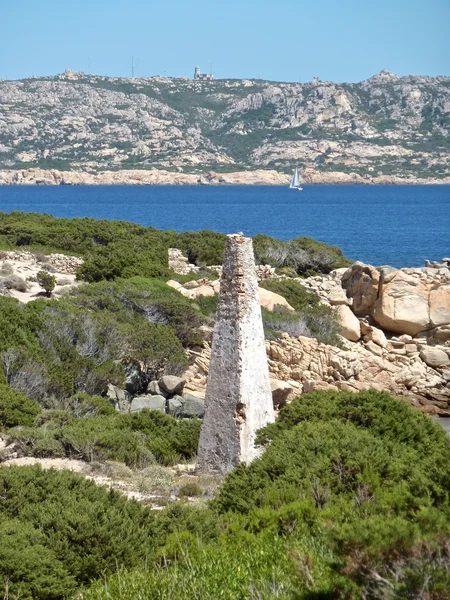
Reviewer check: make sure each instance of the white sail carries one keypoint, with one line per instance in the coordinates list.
(295, 181)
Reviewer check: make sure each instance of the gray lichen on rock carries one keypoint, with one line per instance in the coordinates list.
(238, 393)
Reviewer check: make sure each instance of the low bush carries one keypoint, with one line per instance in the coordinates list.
(6, 269)
(54, 349)
(190, 489)
(14, 282)
(203, 248)
(138, 439)
(250, 568)
(311, 317)
(149, 299)
(349, 500)
(305, 255)
(16, 409)
(365, 476)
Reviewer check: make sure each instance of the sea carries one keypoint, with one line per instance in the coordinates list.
(397, 225)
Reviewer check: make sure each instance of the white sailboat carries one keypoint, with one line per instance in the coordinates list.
(295, 181)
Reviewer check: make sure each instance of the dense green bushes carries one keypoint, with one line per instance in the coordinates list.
(364, 474)
(59, 530)
(56, 348)
(98, 434)
(303, 255)
(350, 500)
(113, 249)
(203, 248)
(16, 408)
(137, 297)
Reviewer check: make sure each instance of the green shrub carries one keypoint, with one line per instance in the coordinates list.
(16, 408)
(190, 489)
(46, 281)
(304, 255)
(54, 349)
(203, 248)
(14, 282)
(158, 349)
(84, 405)
(149, 299)
(137, 439)
(367, 477)
(255, 567)
(59, 530)
(29, 569)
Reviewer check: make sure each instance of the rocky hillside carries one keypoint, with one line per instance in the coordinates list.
(384, 126)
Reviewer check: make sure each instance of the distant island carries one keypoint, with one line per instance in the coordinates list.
(76, 128)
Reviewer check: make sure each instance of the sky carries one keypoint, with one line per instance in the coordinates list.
(280, 40)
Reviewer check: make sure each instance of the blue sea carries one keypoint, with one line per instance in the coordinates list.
(394, 225)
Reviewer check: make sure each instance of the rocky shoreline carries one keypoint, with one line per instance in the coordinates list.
(36, 176)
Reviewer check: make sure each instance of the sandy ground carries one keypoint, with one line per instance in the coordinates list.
(27, 270)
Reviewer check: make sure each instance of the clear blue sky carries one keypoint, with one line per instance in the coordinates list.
(285, 40)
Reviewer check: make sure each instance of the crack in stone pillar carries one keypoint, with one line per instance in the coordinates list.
(238, 394)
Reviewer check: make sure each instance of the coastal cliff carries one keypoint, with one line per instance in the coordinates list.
(80, 128)
(161, 177)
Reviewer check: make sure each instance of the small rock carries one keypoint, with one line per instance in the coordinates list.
(192, 407)
(281, 390)
(175, 406)
(434, 357)
(154, 389)
(374, 348)
(176, 285)
(171, 384)
(133, 378)
(151, 402)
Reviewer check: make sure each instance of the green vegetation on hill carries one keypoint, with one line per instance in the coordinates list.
(349, 500)
(240, 125)
(55, 348)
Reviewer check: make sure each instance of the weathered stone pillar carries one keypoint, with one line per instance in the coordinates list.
(238, 395)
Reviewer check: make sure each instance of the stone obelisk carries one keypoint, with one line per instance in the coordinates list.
(238, 396)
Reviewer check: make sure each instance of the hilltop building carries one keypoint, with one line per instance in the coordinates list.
(198, 76)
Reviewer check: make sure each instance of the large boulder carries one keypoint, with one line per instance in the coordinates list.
(171, 384)
(269, 300)
(350, 326)
(402, 304)
(361, 283)
(434, 357)
(439, 303)
(192, 407)
(151, 402)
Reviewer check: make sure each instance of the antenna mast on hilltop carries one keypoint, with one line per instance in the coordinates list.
(132, 67)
